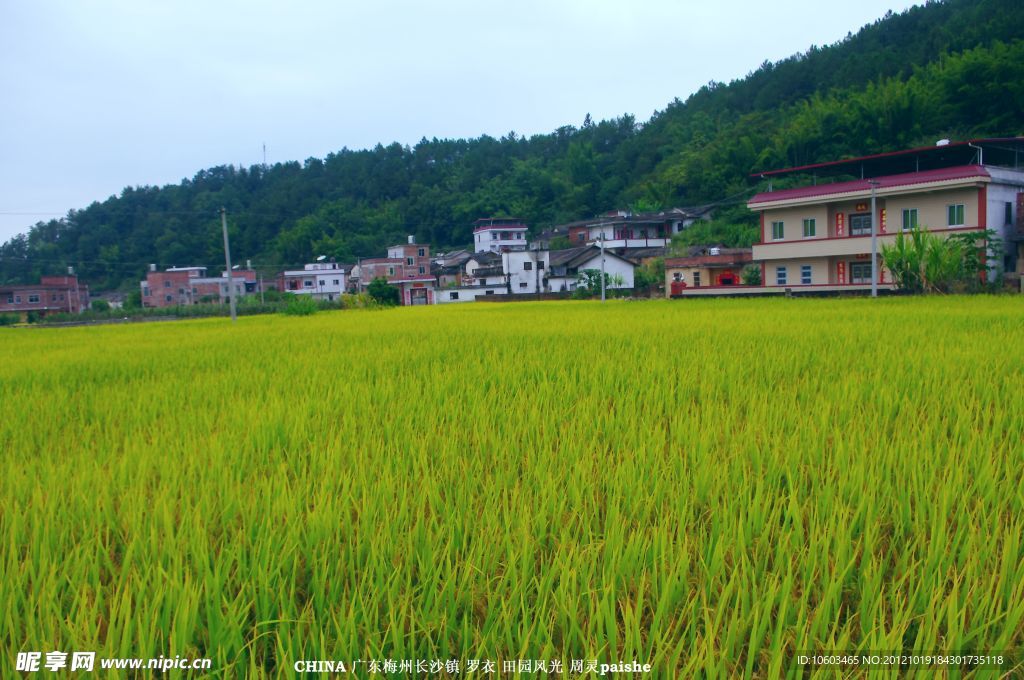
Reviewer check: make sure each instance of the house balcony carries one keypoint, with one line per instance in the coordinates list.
(834, 246)
(631, 243)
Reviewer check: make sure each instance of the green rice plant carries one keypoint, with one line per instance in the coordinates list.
(708, 486)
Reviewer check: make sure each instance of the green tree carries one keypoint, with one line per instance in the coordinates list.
(382, 292)
(649, 276)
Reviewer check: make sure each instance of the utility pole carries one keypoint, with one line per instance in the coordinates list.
(536, 267)
(874, 241)
(602, 265)
(227, 262)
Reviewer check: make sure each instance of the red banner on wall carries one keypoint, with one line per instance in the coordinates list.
(839, 224)
(881, 220)
(841, 270)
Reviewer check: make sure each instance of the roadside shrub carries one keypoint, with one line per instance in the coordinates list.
(301, 305)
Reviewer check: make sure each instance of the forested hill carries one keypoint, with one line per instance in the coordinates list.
(953, 69)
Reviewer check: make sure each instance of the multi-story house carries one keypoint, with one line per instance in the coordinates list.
(190, 286)
(320, 280)
(623, 229)
(53, 294)
(818, 235)
(407, 267)
(499, 234)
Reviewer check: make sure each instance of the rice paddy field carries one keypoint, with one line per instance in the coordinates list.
(713, 487)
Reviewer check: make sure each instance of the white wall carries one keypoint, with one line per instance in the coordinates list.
(443, 296)
(521, 279)
(1005, 186)
(612, 266)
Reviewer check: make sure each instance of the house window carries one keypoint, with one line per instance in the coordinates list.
(10, 299)
(33, 299)
(409, 261)
(780, 276)
(581, 237)
(337, 282)
(307, 283)
(422, 270)
(145, 292)
(860, 224)
(53, 298)
(168, 298)
(391, 271)
(490, 292)
(955, 215)
(809, 228)
(181, 291)
(167, 284)
(540, 264)
(696, 279)
(805, 274)
(909, 219)
(527, 266)
(453, 296)
(522, 284)
(860, 272)
(422, 252)
(778, 231)
(17, 299)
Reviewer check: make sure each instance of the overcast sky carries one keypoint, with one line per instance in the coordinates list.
(105, 94)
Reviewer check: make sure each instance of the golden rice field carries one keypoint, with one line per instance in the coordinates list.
(711, 487)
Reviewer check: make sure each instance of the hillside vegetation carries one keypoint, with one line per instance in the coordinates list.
(951, 69)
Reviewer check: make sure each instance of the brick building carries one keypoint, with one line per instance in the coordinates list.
(191, 286)
(53, 294)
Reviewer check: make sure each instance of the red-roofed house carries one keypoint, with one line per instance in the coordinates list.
(820, 235)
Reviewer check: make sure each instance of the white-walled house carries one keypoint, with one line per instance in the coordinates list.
(564, 267)
(526, 270)
(499, 234)
(321, 280)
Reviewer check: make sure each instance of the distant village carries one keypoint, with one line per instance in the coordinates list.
(815, 239)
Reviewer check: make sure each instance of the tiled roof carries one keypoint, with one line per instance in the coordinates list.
(862, 185)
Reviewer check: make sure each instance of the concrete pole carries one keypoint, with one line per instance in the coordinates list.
(227, 262)
(874, 241)
(602, 265)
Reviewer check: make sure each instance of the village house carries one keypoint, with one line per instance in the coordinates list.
(190, 286)
(565, 266)
(319, 280)
(499, 234)
(448, 268)
(708, 266)
(818, 236)
(52, 295)
(623, 229)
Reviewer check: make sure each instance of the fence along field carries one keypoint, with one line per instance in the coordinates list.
(706, 486)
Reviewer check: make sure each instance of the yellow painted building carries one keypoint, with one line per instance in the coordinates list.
(819, 236)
